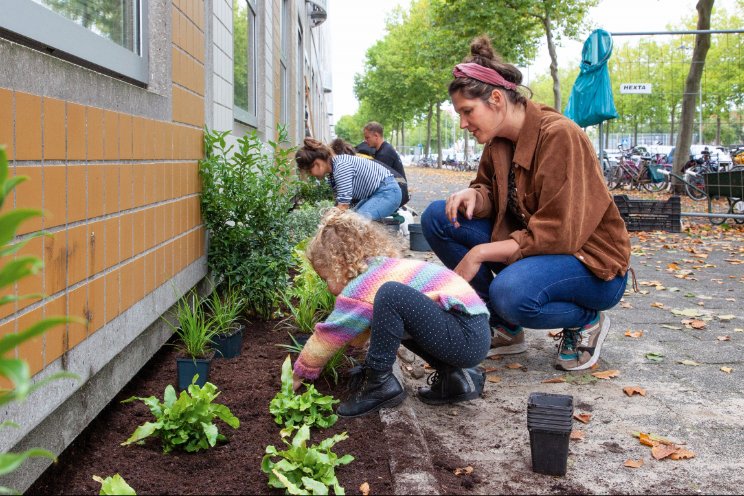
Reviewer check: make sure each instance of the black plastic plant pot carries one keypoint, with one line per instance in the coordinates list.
(228, 345)
(549, 451)
(300, 338)
(186, 368)
(550, 401)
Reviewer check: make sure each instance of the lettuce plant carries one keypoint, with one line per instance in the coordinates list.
(309, 408)
(303, 470)
(114, 485)
(186, 422)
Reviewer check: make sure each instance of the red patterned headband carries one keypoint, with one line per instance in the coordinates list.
(482, 74)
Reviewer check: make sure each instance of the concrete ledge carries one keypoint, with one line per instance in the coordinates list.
(411, 469)
(53, 417)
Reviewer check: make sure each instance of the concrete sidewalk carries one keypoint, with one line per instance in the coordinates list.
(689, 399)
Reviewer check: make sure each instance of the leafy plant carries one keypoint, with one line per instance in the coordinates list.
(332, 366)
(225, 309)
(13, 369)
(308, 300)
(114, 485)
(312, 190)
(247, 192)
(186, 422)
(303, 222)
(309, 408)
(194, 330)
(303, 470)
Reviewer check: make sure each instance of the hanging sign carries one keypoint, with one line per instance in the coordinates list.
(636, 88)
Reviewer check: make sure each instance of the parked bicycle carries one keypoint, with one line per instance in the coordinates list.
(635, 174)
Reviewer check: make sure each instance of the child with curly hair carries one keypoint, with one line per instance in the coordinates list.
(392, 301)
(369, 185)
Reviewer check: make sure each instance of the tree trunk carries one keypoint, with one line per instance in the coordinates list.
(427, 146)
(635, 132)
(692, 88)
(671, 121)
(439, 136)
(403, 136)
(718, 129)
(553, 63)
(465, 148)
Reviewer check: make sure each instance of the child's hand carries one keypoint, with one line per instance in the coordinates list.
(296, 382)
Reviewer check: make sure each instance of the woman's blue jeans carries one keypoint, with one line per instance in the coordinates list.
(383, 202)
(540, 292)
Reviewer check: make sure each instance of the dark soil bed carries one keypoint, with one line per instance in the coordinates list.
(248, 383)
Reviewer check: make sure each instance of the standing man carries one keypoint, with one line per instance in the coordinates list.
(384, 151)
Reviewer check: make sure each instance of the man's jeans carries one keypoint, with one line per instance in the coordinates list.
(383, 202)
(540, 292)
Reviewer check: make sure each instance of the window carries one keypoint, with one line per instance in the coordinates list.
(107, 34)
(284, 71)
(245, 80)
(300, 85)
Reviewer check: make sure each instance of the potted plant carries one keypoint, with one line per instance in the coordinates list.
(195, 332)
(225, 311)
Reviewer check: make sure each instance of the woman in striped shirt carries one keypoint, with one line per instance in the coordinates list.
(357, 180)
(392, 301)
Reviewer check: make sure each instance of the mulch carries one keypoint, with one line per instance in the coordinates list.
(248, 383)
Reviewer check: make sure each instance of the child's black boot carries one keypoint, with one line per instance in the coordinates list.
(379, 389)
(452, 385)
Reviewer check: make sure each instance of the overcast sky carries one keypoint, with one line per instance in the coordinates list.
(356, 24)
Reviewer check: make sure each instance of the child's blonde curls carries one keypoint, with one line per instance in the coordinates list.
(344, 242)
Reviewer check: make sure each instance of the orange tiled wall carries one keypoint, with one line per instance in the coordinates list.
(120, 195)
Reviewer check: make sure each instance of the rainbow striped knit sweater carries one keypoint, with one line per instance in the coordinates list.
(352, 315)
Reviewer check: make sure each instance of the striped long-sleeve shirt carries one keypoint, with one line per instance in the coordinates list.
(352, 315)
(355, 178)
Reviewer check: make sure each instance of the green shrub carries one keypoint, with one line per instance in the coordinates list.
(246, 198)
(12, 271)
(312, 190)
(303, 221)
(186, 422)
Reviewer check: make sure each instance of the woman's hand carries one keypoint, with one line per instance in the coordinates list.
(296, 382)
(469, 265)
(463, 201)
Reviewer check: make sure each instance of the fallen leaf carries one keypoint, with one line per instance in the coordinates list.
(687, 312)
(463, 471)
(681, 454)
(728, 370)
(576, 435)
(691, 363)
(631, 390)
(726, 318)
(633, 463)
(738, 329)
(724, 338)
(584, 418)
(606, 374)
(633, 334)
(364, 489)
(625, 305)
(650, 439)
(656, 304)
(554, 380)
(513, 365)
(673, 266)
(697, 324)
(646, 440)
(669, 326)
(554, 332)
(493, 378)
(661, 451)
(488, 370)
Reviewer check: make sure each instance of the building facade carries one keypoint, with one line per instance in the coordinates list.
(103, 105)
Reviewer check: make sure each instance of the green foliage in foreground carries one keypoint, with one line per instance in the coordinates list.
(309, 408)
(186, 422)
(114, 485)
(303, 470)
(14, 269)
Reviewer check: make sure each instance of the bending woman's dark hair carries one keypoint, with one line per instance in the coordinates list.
(482, 53)
(341, 147)
(311, 150)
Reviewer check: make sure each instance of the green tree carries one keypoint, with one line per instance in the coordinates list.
(112, 20)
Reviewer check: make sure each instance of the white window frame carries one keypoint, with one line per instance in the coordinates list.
(39, 25)
(250, 115)
(283, 64)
